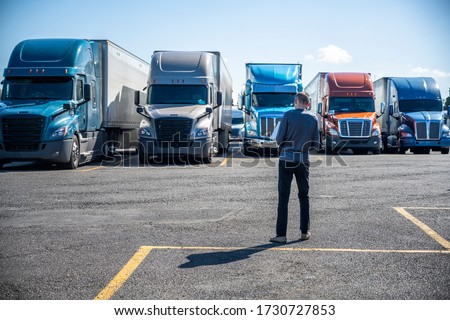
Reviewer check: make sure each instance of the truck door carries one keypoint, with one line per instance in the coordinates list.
(393, 123)
(93, 121)
(81, 111)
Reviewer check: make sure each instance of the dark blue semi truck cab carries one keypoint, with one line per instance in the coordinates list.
(416, 118)
(64, 99)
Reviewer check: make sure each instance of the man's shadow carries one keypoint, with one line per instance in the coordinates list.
(223, 257)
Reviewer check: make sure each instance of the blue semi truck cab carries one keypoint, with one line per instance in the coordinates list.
(416, 118)
(64, 100)
(269, 92)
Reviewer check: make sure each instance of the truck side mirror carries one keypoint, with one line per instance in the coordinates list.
(392, 113)
(219, 98)
(68, 106)
(87, 92)
(140, 110)
(208, 110)
(391, 110)
(319, 108)
(383, 107)
(137, 98)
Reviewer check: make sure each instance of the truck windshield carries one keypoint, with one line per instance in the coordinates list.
(284, 99)
(419, 105)
(32, 88)
(178, 94)
(352, 105)
(237, 121)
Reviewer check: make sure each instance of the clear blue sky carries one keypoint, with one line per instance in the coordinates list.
(383, 37)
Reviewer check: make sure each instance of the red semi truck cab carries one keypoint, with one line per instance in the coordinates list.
(345, 106)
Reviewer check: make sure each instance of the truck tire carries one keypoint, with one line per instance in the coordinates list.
(360, 151)
(224, 142)
(443, 151)
(74, 154)
(247, 152)
(421, 151)
(143, 158)
(207, 160)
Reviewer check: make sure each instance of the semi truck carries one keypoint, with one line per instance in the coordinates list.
(344, 103)
(69, 101)
(269, 92)
(188, 106)
(416, 119)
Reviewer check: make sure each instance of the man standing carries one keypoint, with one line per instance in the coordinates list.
(297, 134)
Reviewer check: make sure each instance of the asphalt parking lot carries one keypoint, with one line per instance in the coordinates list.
(380, 230)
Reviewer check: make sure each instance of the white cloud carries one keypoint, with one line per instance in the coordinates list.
(309, 57)
(424, 72)
(334, 54)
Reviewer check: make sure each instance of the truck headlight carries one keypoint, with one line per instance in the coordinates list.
(445, 131)
(404, 134)
(201, 133)
(59, 133)
(333, 132)
(376, 133)
(144, 129)
(145, 132)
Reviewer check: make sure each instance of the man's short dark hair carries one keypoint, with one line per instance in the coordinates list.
(302, 97)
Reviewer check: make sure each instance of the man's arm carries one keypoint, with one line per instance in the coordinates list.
(282, 130)
(316, 137)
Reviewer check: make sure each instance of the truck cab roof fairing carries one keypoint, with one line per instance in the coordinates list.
(417, 88)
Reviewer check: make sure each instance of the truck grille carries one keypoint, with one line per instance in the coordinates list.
(350, 128)
(175, 132)
(428, 130)
(22, 133)
(267, 125)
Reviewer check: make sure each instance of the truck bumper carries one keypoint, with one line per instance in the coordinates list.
(260, 144)
(432, 144)
(154, 148)
(51, 151)
(355, 143)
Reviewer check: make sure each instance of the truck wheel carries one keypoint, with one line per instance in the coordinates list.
(224, 142)
(247, 152)
(360, 151)
(74, 155)
(143, 158)
(421, 151)
(443, 151)
(208, 159)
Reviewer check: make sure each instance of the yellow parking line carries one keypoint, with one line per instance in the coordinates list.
(124, 274)
(90, 169)
(425, 208)
(433, 234)
(225, 161)
(314, 157)
(296, 249)
(117, 282)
